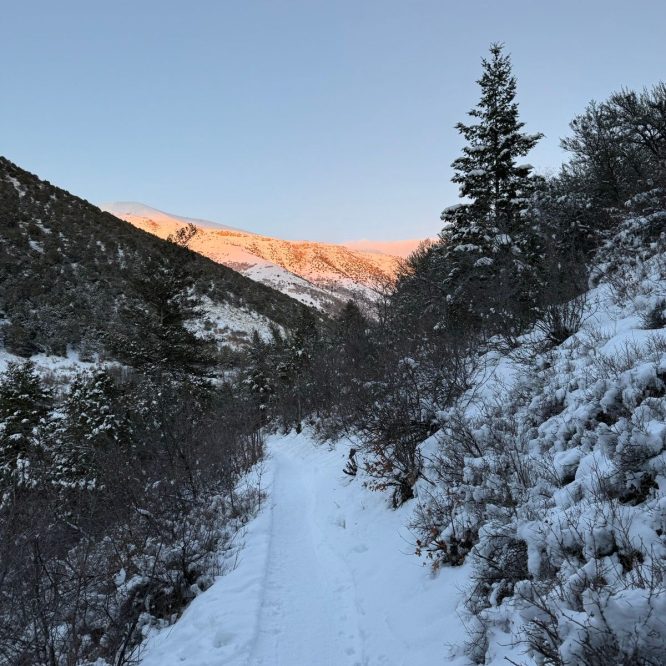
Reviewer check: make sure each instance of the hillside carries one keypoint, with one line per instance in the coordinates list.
(128, 423)
(70, 274)
(538, 512)
(548, 477)
(323, 275)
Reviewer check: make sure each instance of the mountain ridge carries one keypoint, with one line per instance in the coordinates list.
(323, 275)
(70, 273)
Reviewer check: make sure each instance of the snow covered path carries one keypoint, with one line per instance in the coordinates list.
(327, 577)
(306, 581)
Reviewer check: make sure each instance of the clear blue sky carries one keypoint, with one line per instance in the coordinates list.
(296, 118)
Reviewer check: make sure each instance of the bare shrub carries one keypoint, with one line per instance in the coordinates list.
(92, 553)
(402, 412)
(655, 316)
(560, 321)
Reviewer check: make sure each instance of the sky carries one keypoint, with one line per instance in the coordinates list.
(302, 119)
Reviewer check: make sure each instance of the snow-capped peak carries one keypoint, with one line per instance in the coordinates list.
(323, 275)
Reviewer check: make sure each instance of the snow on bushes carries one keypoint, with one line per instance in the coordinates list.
(553, 484)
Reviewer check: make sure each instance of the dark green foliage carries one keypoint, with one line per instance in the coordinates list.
(418, 302)
(350, 333)
(184, 235)
(655, 317)
(488, 244)
(96, 425)
(481, 275)
(154, 330)
(24, 403)
(71, 275)
(498, 188)
(293, 370)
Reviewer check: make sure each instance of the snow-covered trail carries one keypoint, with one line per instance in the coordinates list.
(326, 577)
(308, 613)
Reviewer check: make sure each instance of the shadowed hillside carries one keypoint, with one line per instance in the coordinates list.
(74, 276)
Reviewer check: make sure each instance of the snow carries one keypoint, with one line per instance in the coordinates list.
(588, 419)
(228, 324)
(397, 248)
(17, 185)
(327, 576)
(58, 368)
(503, 239)
(327, 573)
(288, 283)
(318, 274)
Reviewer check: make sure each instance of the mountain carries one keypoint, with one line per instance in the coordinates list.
(323, 275)
(73, 277)
(399, 248)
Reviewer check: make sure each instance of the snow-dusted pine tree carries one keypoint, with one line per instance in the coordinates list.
(487, 238)
(94, 428)
(24, 405)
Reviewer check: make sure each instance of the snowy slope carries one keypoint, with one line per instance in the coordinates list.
(399, 248)
(229, 325)
(320, 274)
(59, 369)
(327, 577)
(562, 480)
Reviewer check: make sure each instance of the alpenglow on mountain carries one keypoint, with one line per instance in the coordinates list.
(323, 275)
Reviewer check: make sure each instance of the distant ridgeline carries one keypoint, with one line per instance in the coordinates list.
(72, 276)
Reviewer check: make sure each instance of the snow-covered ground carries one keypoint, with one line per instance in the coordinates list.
(59, 369)
(229, 325)
(327, 577)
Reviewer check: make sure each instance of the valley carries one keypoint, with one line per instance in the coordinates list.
(235, 443)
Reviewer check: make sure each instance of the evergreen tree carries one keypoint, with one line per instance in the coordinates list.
(159, 337)
(292, 370)
(95, 423)
(184, 235)
(24, 405)
(487, 240)
(417, 300)
(350, 339)
(258, 377)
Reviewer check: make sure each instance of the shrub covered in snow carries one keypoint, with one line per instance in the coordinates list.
(554, 484)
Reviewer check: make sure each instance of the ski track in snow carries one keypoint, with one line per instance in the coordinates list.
(327, 577)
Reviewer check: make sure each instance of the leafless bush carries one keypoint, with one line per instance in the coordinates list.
(560, 321)
(85, 566)
(582, 618)
(488, 464)
(655, 316)
(402, 413)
